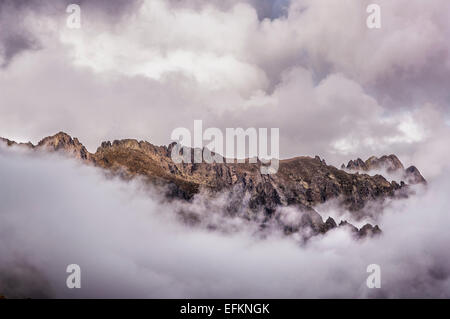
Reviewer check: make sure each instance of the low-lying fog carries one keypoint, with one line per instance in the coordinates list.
(55, 212)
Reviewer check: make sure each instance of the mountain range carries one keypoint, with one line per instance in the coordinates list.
(302, 182)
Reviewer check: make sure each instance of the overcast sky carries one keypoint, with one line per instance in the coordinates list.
(312, 68)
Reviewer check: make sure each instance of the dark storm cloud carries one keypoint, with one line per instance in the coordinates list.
(424, 85)
(14, 44)
(112, 7)
(270, 9)
(110, 10)
(16, 36)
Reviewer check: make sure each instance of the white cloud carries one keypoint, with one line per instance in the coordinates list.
(332, 86)
(57, 212)
(207, 45)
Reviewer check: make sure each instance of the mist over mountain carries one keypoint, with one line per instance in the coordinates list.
(301, 182)
(133, 238)
(354, 82)
(389, 166)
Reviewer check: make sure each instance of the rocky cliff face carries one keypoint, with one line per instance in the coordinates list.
(391, 164)
(302, 182)
(58, 142)
(63, 142)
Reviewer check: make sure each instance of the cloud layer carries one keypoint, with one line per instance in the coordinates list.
(56, 212)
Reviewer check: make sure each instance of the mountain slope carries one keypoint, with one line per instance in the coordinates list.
(302, 181)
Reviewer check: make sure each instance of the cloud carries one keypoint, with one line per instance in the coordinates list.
(142, 68)
(14, 36)
(56, 212)
(311, 68)
(388, 62)
(21, 21)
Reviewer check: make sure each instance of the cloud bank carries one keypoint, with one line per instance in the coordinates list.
(56, 212)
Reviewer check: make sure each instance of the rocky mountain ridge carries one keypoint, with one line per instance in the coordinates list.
(302, 182)
(391, 164)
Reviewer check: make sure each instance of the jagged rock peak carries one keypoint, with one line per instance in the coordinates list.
(132, 144)
(303, 181)
(358, 164)
(413, 176)
(390, 163)
(13, 143)
(64, 142)
(367, 230)
(330, 223)
(59, 139)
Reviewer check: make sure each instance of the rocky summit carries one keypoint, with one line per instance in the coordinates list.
(302, 182)
(391, 164)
